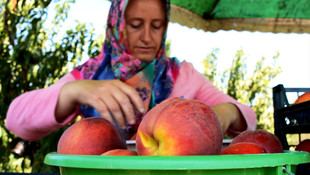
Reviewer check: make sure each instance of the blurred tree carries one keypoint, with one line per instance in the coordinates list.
(251, 89)
(34, 53)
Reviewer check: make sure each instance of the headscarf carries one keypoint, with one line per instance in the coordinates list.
(116, 62)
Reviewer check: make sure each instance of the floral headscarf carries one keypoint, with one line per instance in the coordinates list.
(116, 62)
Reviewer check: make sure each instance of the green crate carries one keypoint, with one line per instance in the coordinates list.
(260, 164)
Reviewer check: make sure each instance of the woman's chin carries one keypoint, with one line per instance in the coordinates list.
(146, 59)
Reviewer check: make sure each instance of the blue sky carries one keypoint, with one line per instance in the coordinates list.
(194, 45)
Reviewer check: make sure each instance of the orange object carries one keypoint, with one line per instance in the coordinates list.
(243, 148)
(120, 152)
(303, 98)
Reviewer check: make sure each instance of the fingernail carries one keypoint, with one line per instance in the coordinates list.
(142, 110)
(123, 127)
(132, 122)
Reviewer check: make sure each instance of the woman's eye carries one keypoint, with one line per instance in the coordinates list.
(157, 25)
(135, 26)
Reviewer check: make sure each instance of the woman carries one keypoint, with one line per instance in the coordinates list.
(130, 76)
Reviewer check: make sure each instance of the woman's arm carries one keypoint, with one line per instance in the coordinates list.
(230, 117)
(112, 99)
(32, 114)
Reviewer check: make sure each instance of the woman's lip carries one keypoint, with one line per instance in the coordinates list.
(144, 49)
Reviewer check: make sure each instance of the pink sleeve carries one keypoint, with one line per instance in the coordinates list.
(193, 85)
(31, 115)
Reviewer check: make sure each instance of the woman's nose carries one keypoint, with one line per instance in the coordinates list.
(146, 35)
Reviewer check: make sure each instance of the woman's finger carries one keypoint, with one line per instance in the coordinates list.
(102, 109)
(134, 96)
(126, 106)
(115, 108)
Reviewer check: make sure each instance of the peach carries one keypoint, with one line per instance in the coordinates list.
(120, 152)
(265, 139)
(303, 98)
(304, 146)
(90, 136)
(179, 127)
(243, 148)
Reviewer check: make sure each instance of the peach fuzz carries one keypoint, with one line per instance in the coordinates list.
(90, 136)
(180, 127)
(265, 139)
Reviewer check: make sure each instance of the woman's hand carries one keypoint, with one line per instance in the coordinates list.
(230, 117)
(108, 97)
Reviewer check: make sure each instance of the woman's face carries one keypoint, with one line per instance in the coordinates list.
(145, 27)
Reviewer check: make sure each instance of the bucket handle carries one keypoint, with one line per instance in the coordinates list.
(286, 171)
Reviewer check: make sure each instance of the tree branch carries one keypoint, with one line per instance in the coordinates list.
(6, 24)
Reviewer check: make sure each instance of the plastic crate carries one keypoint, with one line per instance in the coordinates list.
(289, 118)
(250, 164)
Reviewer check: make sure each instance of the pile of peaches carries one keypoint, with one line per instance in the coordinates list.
(175, 127)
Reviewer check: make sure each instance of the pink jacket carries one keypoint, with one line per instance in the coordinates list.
(31, 115)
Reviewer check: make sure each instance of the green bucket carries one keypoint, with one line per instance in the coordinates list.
(260, 164)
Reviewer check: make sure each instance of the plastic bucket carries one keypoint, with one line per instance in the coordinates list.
(260, 164)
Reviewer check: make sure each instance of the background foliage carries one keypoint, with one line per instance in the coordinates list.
(35, 53)
(33, 56)
(252, 89)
